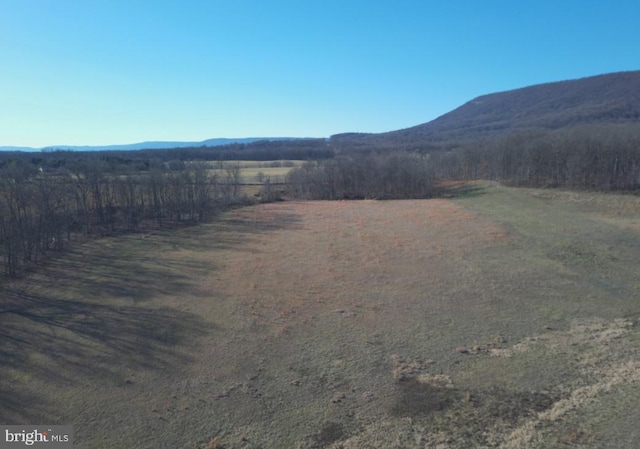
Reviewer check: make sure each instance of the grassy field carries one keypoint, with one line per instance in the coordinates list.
(255, 172)
(497, 317)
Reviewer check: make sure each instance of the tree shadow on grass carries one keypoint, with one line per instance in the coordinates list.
(61, 341)
(80, 329)
(119, 274)
(22, 408)
(137, 269)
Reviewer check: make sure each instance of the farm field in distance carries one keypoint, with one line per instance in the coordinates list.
(255, 172)
(494, 317)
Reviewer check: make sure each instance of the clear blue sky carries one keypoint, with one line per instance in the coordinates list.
(93, 72)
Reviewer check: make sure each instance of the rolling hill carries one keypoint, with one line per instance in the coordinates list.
(610, 98)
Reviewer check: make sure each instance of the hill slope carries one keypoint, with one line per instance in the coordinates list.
(610, 98)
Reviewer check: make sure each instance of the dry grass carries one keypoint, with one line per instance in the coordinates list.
(249, 170)
(496, 318)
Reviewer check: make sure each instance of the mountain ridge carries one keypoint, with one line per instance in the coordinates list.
(607, 98)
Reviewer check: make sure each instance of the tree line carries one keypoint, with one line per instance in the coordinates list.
(44, 207)
(149, 159)
(602, 157)
(364, 175)
(42, 212)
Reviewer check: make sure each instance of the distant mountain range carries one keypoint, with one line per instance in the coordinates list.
(611, 98)
(602, 99)
(152, 145)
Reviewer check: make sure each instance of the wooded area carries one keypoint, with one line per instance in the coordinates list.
(603, 157)
(42, 212)
(364, 176)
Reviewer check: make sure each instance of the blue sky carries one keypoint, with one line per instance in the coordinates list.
(100, 72)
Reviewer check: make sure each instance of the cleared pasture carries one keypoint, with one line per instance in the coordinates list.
(498, 317)
(256, 172)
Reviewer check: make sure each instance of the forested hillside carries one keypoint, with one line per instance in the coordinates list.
(603, 99)
(582, 134)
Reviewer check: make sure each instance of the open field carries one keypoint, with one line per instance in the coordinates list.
(498, 317)
(250, 170)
